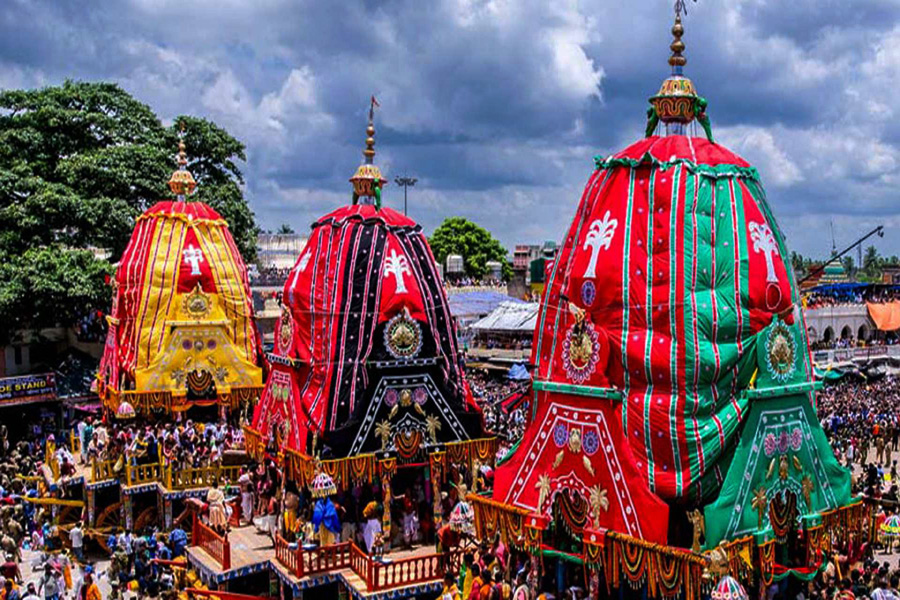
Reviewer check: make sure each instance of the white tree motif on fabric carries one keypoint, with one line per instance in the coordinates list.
(304, 260)
(764, 241)
(398, 266)
(193, 256)
(599, 236)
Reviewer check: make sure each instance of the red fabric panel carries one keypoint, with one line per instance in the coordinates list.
(399, 288)
(697, 150)
(197, 210)
(193, 267)
(766, 297)
(632, 509)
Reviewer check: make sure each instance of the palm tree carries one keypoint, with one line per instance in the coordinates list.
(383, 430)
(599, 236)
(872, 262)
(432, 426)
(599, 502)
(759, 503)
(398, 266)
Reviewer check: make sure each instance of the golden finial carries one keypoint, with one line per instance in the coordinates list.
(677, 60)
(182, 182)
(367, 181)
(369, 152)
(677, 102)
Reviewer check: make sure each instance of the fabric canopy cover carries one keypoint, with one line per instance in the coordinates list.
(665, 290)
(662, 259)
(181, 305)
(372, 345)
(886, 315)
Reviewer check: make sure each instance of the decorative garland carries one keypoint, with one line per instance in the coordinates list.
(492, 516)
(667, 571)
(767, 562)
(408, 443)
(814, 543)
(154, 402)
(571, 511)
(300, 467)
(740, 557)
(783, 514)
(253, 443)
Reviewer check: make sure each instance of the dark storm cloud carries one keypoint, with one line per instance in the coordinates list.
(497, 106)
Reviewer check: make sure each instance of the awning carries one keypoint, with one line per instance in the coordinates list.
(510, 317)
(886, 315)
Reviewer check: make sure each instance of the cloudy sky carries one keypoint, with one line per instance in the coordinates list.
(498, 106)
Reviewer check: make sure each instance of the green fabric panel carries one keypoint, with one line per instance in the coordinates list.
(648, 339)
(676, 335)
(800, 576)
(692, 400)
(757, 459)
(710, 171)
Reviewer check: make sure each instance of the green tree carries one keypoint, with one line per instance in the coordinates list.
(872, 263)
(78, 164)
(849, 266)
(285, 229)
(474, 243)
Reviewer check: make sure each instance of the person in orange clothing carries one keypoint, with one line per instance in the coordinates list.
(89, 589)
(9, 591)
(487, 586)
(475, 589)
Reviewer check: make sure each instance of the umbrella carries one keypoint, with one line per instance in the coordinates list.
(729, 588)
(891, 526)
(322, 486)
(462, 518)
(125, 410)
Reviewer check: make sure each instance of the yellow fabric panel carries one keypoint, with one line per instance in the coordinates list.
(232, 296)
(168, 371)
(158, 294)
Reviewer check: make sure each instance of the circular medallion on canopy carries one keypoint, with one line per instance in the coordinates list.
(403, 336)
(781, 349)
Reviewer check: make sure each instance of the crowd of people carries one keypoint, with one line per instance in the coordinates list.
(860, 417)
(56, 568)
(182, 446)
(845, 296)
(502, 401)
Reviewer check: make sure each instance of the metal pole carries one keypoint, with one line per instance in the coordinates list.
(405, 182)
(877, 231)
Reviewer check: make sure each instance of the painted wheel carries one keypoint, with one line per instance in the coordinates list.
(147, 517)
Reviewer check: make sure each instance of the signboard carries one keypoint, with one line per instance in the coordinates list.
(27, 388)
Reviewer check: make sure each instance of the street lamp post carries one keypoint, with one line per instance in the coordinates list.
(405, 182)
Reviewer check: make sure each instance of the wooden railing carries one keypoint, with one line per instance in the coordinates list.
(182, 479)
(215, 545)
(407, 571)
(377, 576)
(101, 470)
(287, 556)
(140, 474)
(361, 564)
(324, 559)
